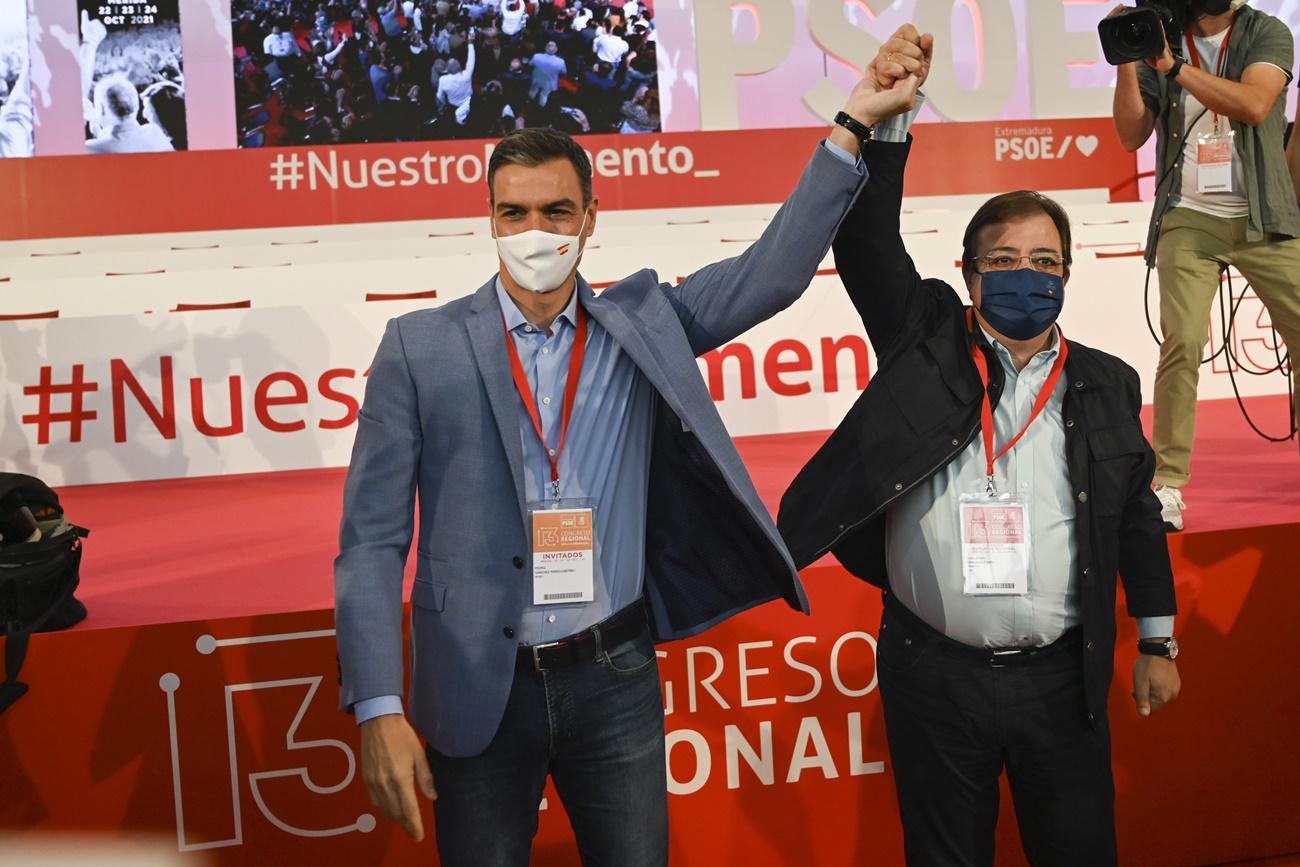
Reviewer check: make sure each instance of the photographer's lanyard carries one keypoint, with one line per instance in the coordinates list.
(1196, 60)
(986, 410)
(570, 393)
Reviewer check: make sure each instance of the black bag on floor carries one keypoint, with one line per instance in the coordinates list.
(40, 559)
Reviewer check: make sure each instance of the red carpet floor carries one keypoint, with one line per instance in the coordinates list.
(194, 549)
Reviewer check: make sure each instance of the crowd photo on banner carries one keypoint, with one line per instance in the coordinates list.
(132, 78)
(348, 71)
(15, 81)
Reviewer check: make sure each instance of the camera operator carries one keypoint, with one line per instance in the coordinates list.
(1223, 197)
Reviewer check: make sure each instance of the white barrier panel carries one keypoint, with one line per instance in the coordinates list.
(107, 399)
(120, 398)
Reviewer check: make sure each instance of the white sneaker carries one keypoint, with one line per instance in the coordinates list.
(1171, 506)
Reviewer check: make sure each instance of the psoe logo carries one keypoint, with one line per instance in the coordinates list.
(1039, 143)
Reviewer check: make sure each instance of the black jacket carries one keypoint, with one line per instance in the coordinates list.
(922, 408)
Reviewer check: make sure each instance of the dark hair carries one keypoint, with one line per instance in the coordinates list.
(537, 145)
(1014, 206)
(120, 96)
(169, 108)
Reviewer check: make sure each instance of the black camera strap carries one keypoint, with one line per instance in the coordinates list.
(15, 654)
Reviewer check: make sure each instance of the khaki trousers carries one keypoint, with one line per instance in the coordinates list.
(1193, 249)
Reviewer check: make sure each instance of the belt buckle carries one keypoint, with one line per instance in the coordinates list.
(1005, 653)
(537, 660)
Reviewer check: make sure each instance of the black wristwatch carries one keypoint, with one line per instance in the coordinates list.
(1172, 74)
(1167, 648)
(860, 130)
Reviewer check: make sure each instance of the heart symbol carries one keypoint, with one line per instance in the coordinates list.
(1087, 144)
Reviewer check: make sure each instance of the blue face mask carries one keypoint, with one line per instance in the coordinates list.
(1021, 304)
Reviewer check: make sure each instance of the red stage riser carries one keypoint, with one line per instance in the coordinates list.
(1213, 778)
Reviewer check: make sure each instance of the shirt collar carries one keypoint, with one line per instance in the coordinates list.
(515, 318)
(1004, 355)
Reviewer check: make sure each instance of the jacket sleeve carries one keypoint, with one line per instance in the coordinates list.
(724, 300)
(872, 261)
(1144, 564)
(375, 534)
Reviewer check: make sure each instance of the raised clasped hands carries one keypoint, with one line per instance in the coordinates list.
(893, 76)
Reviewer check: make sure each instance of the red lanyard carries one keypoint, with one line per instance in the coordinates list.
(570, 393)
(986, 411)
(1196, 59)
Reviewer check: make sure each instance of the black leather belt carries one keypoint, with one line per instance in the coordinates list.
(583, 646)
(1001, 657)
(994, 657)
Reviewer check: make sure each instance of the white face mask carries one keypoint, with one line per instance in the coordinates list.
(540, 261)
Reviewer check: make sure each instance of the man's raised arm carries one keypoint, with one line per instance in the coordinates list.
(726, 299)
(870, 256)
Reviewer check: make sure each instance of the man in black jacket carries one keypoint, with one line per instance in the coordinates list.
(992, 480)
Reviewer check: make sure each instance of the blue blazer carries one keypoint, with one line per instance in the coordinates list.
(440, 421)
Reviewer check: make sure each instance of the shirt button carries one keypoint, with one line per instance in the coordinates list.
(1091, 647)
(898, 486)
(1079, 384)
(546, 401)
(550, 619)
(551, 452)
(508, 632)
(1083, 496)
(529, 329)
(546, 350)
(956, 442)
(519, 562)
(1069, 423)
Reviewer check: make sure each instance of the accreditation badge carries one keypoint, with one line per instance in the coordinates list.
(1216, 156)
(564, 551)
(995, 544)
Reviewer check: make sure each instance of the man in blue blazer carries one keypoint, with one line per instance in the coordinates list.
(579, 499)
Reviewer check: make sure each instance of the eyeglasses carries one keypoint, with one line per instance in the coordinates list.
(1047, 262)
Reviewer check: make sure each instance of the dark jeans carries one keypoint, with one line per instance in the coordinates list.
(598, 729)
(954, 723)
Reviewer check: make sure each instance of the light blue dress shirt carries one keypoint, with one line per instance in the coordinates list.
(923, 541)
(606, 459)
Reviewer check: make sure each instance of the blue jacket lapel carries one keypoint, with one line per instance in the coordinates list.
(487, 337)
(631, 339)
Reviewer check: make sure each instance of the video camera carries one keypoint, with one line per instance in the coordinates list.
(1142, 31)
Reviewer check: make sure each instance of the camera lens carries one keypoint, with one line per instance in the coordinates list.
(1131, 35)
(1135, 34)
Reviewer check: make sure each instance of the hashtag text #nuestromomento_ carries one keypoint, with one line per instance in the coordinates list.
(334, 171)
